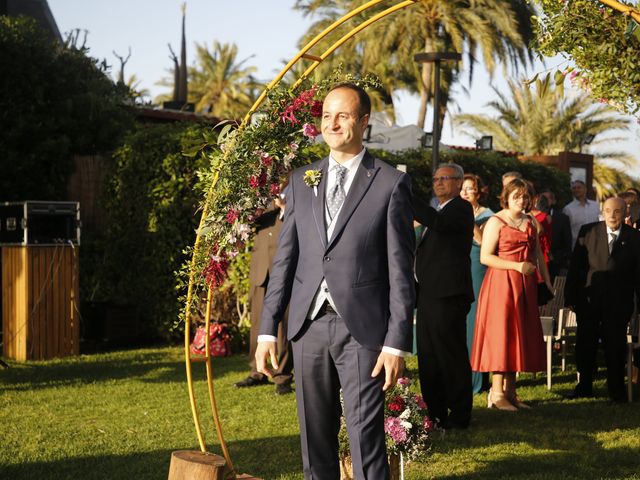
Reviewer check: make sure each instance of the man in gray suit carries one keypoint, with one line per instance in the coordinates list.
(344, 261)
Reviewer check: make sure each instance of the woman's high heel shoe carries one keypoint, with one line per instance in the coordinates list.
(499, 401)
(515, 401)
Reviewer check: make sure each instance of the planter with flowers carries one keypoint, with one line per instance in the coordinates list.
(408, 430)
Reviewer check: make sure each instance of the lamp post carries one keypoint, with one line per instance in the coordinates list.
(437, 58)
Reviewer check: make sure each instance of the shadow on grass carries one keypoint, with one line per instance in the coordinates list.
(149, 366)
(581, 440)
(266, 458)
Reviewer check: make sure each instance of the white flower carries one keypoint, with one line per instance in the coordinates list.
(244, 231)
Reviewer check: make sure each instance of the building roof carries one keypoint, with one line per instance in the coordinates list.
(36, 9)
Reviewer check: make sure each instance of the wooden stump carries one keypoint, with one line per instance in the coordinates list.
(195, 465)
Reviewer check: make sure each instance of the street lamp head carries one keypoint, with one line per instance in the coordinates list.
(427, 140)
(485, 143)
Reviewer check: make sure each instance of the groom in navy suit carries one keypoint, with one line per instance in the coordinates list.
(344, 267)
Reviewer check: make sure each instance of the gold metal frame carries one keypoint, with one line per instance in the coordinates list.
(187, 333)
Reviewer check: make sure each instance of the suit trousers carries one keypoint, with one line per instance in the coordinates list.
(443, 359)
(284, 374)
(598, 318)
(327, 358)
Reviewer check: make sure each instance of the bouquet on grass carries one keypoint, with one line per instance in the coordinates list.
(407, 430)
(407, 426)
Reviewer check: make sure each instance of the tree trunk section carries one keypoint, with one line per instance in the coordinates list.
(195, 465)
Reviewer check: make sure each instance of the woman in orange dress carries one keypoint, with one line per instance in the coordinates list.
(508, 334)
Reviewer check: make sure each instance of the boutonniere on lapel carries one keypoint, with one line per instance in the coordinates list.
(312, 179)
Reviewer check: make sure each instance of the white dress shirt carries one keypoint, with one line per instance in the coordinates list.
(580, 215)
(323, 290)
(613, 232)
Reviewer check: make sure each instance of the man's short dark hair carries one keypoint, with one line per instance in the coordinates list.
(363, 96)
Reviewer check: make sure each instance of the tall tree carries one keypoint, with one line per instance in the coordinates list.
(498, 31)
(220, 84)
(543, 120)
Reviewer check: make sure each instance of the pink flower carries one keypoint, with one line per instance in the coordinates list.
(216, 272)
(266, 159)
(427, 424)
(289, 115)
(316, 108)
(394, 428)
(274, 189)
(294, 147)
(420, 402)
(257, 181)
(232, 215)
(309, 130)
(404, 381)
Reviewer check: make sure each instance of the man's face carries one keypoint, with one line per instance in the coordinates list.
(342, 127)
(551, 198)
(579, 190)
(445, 184)
(614, 211)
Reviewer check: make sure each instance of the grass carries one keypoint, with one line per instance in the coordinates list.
(120, 415)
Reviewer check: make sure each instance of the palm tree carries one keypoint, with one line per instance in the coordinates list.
(543, 121)
(219, 84)
(496, 30)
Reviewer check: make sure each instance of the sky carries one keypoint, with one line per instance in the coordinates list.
(266, 33)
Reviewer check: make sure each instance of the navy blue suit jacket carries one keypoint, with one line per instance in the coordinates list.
(368, 262)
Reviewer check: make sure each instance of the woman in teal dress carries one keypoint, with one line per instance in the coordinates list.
(473, 191)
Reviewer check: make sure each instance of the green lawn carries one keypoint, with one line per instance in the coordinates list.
(119, 416)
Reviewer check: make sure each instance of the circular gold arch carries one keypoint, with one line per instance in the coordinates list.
(316, 60)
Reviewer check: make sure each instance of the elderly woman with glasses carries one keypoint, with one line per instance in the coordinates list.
(474, 191)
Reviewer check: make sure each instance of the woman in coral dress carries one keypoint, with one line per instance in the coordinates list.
(508, 334)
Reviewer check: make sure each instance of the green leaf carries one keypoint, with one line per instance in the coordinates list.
(633, 29)
(531, 80)
(558, 77)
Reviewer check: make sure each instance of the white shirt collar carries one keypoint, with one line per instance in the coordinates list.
(352, 164)
(442, 205)
(614, 232)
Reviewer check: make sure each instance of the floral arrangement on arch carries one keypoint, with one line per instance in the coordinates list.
(247, 166)
(407, 426)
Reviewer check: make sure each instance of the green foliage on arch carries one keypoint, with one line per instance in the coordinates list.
(602, 42)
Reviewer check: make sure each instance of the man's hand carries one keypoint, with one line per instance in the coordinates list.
(263, 350)
(393, 367)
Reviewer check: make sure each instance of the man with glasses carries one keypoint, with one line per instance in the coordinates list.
(445, 293)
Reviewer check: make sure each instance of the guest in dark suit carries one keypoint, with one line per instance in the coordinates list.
(445, 293)
(344, 261)
(603, 276)
(264, 248)
(561, 245)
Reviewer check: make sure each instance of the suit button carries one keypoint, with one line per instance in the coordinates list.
(327, 259)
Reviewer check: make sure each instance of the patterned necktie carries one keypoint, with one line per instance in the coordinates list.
(612, 241)
(336, 194)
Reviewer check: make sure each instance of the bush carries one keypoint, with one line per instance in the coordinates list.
(150, 201)
(489, 165)
(54, 101)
